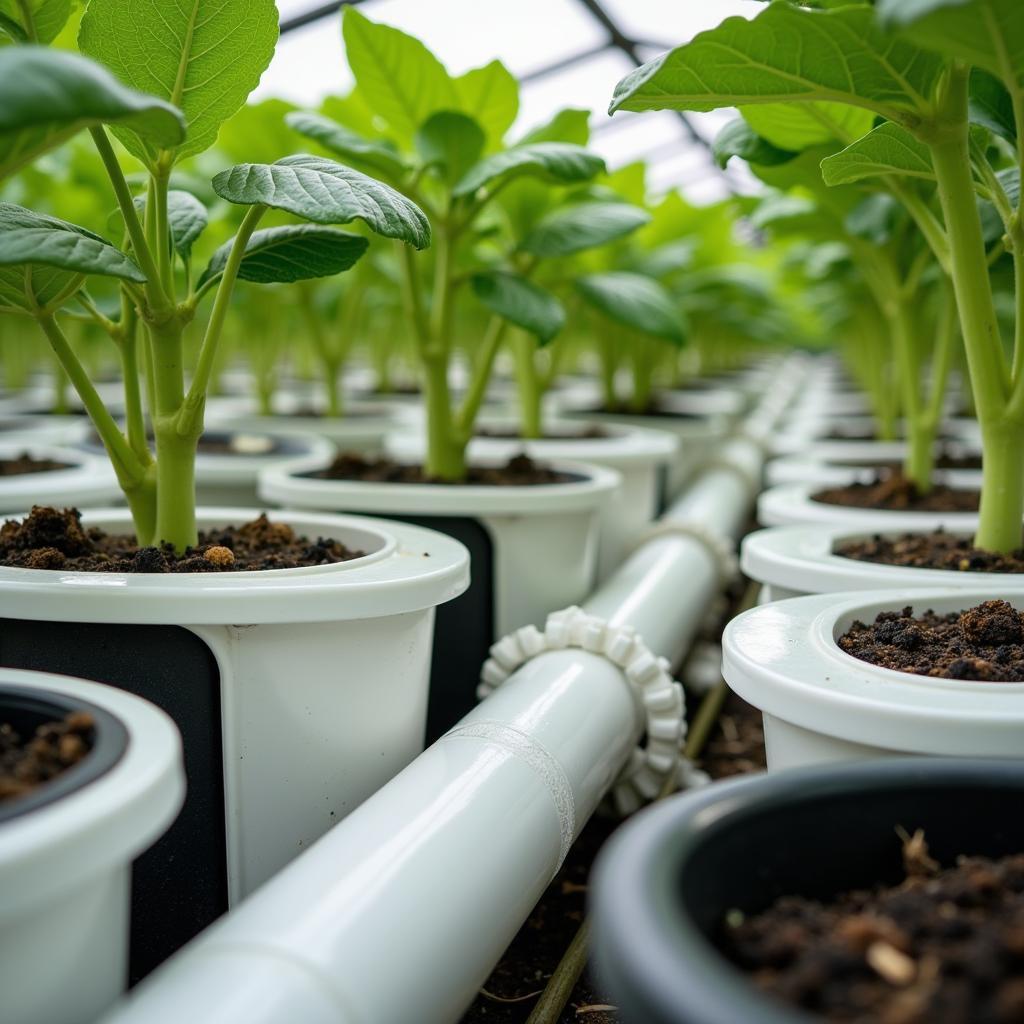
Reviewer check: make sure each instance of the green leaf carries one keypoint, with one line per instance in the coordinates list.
(204, 56)
(292, 252)
(521, 302)
(47, 96)
(48, 17)
(737, 138)
(258, 132)
(992, 106)
(874, 218)
(570, 229)
(634, 301)
(490, 95)
(451, 142)
(557, 162)
(798, 126)
(887, 149)
(186, 216)
(325, 192)
(569, 125)
(12, 28)
(788, 54)
(1009, 178)
(346, 143)
(401, 80)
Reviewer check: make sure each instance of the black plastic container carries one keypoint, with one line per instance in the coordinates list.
(664, 883)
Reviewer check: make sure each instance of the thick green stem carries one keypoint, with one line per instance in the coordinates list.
(175, 487)
(477, 390)
(332, 387)
(528, 385)
(643, 365)
(135, 421)
(446, 452)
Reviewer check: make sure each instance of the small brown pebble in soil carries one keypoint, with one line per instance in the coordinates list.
(896, 493)
(219, 556)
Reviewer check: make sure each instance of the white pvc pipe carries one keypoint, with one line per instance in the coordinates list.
(399, 913)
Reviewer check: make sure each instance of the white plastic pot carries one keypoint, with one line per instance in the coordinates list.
(65, 861)
(23, 428)
(808, 432)
(322, 672)
(790, 561)
(820, 704)
(641, 457)
(857, 463)
(792, 504)
(544, 538)
(85, 479)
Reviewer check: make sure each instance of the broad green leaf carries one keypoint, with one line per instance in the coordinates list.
(204, 56)
(48, 17)
(737, 138)
(629, 182)
(292, 252)
(325, 192)
(1009, 178)
(346, 143)
(991, 105)
(451, 142)
(47, 96)
(353, 112)
(788, 54)
(797, 126)
(887, 149)
(12, 29)
(667, 259)
(569, 125)
(490, 95)
(521, 302)
(570, 229)
(557, 162)
(634, 301)
(401, 80)
(874, 218)
(186, 217)
(258, 132)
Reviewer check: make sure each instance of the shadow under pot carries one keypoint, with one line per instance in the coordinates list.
(533, 550)
(670, 883)
(298, 692)
(67, 842)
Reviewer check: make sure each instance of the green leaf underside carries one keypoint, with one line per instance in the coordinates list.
(292, 252)
(47, 96)
(788, 53)
(451, 142)
(186, 216)
(325, 192)
(569, 125)
(48, 16)
(634, 301)
(490, 95)
(346, 143)
(521, 302)
(572, 229)
(737, 138)
(204, 56)
(887, 149)
(798, 126)
(991, 105)
(401, 80)
(557, 162)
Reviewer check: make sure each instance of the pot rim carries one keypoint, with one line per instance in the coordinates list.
(85, 477)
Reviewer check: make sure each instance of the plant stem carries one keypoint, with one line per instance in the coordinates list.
(135, 420)
(446, 454)
(548, 1009)
(466, 419)
(528, 386)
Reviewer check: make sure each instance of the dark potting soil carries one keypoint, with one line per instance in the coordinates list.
(937, 550)
(945, 946)
(230, 443)
(50, 538)
(590, 432)
(519, 471)
(736, 747)
(942, 461)
(23, 464)
(897, 494)
(984, 643)
(29, 761)
(654, 409)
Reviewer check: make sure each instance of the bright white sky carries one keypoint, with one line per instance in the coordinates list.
(526, 35)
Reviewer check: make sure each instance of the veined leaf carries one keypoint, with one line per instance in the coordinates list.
(292, 252)
(490, 95)
(521, 302)
(46, 96)
(991, 105)
(557, 162)
(346, 143)
(451, 142)
(798, 126)
(325, 192)
(48, 17)
(788, 54)
(401, 80)
(737, 138)
(887, 149)
(204, 56)
(634, 301)
(570, 229)
(186, 217)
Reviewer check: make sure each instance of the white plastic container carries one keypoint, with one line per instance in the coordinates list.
(820, 704)
(858, 464)
(22, 428)
(65, 864)
(86, 480)
(790, 561)
(323, 671)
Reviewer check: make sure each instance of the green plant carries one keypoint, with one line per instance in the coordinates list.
(174, 87)
(917, 66)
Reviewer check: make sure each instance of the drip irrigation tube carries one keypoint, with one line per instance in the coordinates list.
(399, 912)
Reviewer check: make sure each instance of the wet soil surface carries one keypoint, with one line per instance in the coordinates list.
(897, 494)
(937, 550)
(519, 471)
(27, 464)
(945, 946)
(29, 761)
(55, 539)
(591, 432)
(984, 643)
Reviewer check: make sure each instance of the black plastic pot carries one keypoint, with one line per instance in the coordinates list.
(25, 709)
(664, 883)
